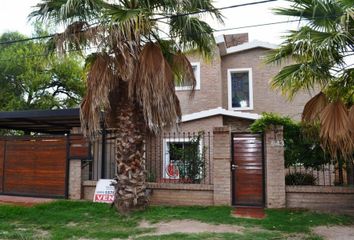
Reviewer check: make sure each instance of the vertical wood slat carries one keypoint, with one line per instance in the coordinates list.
(248, 177)
(2, 156)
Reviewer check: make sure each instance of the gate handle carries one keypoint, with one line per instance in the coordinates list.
(234, 166)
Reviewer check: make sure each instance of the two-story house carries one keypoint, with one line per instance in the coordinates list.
(232, 91)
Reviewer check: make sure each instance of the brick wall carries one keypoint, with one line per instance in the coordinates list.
(213, 92)
(221, 166)
(181, 194)
(88, 190)
(209, 95)
(330, 198)
(75, 179)
(237, 124)
(274, 167)
(232, 40)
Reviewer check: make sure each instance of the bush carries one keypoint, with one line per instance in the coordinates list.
(300, 179)
(301, 142)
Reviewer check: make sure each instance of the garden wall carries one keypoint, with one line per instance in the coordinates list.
(167, 193)
(331, 198)
(181, 194)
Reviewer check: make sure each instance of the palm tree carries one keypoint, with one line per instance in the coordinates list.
(138, 59)
(317, 53)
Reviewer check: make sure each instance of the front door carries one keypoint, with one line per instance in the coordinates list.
(247, 170)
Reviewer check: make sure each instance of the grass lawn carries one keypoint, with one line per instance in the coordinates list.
(86, 220)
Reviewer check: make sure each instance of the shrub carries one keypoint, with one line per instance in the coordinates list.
(300, 179)
(301, 142)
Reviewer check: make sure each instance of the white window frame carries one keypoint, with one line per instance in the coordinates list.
(250, 86)
(197, 78)
(166, 153)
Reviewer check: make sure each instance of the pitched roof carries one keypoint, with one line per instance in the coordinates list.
(219, 111)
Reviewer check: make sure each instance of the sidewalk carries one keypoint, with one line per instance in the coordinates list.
(23, 201)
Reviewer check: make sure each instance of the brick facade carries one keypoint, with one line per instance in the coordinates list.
(209, 95)
(329, 198)
(221, 166)
(181, 194)
(274, 167)
(265, 99)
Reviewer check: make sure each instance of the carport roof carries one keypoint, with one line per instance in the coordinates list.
(57, 121)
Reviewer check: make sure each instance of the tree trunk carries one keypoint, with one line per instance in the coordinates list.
(127, 119)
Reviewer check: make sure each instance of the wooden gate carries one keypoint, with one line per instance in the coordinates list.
(2, 151)
(247, 170)
(35, 166)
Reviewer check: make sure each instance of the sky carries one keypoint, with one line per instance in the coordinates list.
(14, 13)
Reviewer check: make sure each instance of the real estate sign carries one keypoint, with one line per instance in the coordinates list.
(104, 192)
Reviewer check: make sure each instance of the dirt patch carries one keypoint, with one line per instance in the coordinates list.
(71, 224)
(335, 232)
(42, 234)
(188, 226)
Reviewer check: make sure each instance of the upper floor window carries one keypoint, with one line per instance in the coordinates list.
(240, 91)
(196, 70)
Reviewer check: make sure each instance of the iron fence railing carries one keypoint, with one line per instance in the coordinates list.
(182, 157)
(179, 157)
(323, 175)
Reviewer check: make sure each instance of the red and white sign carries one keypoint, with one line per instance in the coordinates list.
(105, 191)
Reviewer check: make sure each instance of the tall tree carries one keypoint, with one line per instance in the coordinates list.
(131, 76)
(31, 79)
(319, 52)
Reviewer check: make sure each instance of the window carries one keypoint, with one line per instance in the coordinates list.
(183, 159)
(196, 70)
(240, 89)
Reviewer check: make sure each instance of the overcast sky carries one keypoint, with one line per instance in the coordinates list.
(13, 17)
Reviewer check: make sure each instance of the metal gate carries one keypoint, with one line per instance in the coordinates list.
(247, 170)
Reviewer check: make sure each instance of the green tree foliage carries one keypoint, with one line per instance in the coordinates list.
(30, 79)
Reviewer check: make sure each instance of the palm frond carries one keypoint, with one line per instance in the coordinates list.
(154, 90)
(335, 130)
(319, 14)
(295, 77)
(193, 34)
(183, 71)
(100, 80)
(67, 11)
(351, 121)
(314, 107)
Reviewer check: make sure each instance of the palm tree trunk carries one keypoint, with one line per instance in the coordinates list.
(127, 118)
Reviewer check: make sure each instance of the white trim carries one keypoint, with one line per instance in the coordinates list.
(250, 45)
(197, 78)
(219, 111)
(219, 39)
(250, 87)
